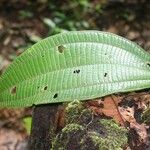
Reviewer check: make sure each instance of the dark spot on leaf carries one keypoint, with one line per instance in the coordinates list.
(105, 74)
(42, 55)
(148, 63)
(14, 90)
(56, 95)
(76, 71)
(45, 88)
(105, 54)
(61, 48)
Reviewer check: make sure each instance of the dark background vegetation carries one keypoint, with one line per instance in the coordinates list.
(25, 22)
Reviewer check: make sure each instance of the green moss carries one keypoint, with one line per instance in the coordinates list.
(110, 136)
(72, 128)
(73, 111)
(88, 132)
(70, 137)
(115, 139)
(115, 130)
(86, 117)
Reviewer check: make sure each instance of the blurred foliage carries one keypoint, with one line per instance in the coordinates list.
(1, 60)
(27, 123)
(71, 15)
(25, 14)
(61, 16)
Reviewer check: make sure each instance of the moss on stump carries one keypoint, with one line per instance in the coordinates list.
(84, 131)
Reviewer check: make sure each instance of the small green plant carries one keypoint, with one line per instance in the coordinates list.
(72, 65)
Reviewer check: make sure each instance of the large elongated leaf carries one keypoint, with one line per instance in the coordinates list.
(75, 65)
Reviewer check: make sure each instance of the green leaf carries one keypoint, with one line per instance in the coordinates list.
(75, 65)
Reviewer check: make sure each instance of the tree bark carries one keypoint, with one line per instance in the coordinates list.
(43, 123)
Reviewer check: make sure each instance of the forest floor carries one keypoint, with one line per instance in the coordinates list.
(20, 29)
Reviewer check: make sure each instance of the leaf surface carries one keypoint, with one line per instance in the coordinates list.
(75, 65)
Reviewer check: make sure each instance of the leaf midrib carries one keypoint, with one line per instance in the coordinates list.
(42, 74)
